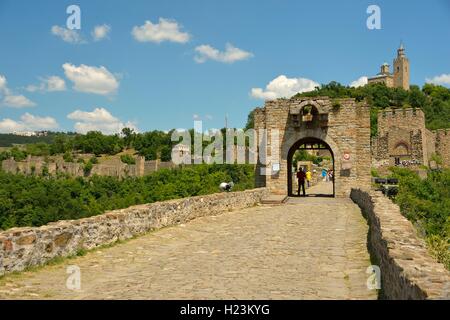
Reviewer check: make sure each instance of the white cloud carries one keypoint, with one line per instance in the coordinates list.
(17, 101)
(165, 30)
(230, 55)
(3, 88)
(443, 79)
(11, 100)
(284, 87)
(36, 122)
(67, 35)
(97, 80)
(98, 115)
(99, 119)
(28, 122)
(100, 32)
(49, 84)
(362, 81)
(9, 126)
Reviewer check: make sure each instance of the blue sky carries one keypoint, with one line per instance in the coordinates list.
(177, 69)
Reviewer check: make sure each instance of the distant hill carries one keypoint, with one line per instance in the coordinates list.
(9, 139)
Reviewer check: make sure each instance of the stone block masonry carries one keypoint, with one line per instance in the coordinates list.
(24, 247)
(407, 269)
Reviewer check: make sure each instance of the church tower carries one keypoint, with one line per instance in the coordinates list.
(401, 69)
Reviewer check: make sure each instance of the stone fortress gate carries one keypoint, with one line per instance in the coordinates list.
(340, 125)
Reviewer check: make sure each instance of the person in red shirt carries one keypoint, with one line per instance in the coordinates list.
(301, 175)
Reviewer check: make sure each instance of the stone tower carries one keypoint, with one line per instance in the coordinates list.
(401, 69)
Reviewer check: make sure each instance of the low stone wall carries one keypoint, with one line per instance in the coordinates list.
(407, 269)
(23, 247)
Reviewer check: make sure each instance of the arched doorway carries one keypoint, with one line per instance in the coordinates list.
(311, 146)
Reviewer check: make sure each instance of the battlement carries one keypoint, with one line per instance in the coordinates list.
(445, 131)
(395, 113)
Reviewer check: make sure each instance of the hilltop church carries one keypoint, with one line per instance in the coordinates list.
(400, 77)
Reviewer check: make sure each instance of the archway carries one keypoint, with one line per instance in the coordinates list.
(310, 145)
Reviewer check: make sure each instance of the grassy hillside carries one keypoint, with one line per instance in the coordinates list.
(427, 204)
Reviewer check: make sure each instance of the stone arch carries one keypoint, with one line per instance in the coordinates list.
(290, 155)
(401, 148)
(319, 135)
(295, 109)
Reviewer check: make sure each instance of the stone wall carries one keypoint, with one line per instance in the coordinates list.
(406, 127)
(36, 165)
(443, 145)
(23, 247)
(407, 269)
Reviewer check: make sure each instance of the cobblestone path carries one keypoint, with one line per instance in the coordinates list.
(308, 248)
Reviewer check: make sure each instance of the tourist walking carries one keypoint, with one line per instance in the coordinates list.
(308, 178)
(324, 174)
(301, 181)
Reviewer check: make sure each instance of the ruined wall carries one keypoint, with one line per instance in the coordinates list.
(36, 165)
(407, 119)
(397, 127)
(347, 130)
(430, 145)
(443, 145)
(407, 269)
(24, 247)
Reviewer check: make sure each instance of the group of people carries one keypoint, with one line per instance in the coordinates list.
(327, 175)
(305, 175)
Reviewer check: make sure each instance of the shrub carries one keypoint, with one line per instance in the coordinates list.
(426, 202)
(68, 156)
(88, 167)
(126, 158)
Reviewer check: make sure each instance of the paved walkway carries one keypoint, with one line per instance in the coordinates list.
(309, 248)
(320, 189)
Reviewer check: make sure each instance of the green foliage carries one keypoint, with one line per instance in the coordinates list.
(374, 172)
(68, 156)
(93, 160)
(35, 200)
(128, 136)
(45, 172)
(427, 204)
(98, 143)
(38, 149)
(250, 120)
(9, 139)
(15, 152)
(154, 144)
(437, 158)
(303, 155)
(126, 158)
(336, 105)
(88, 167)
